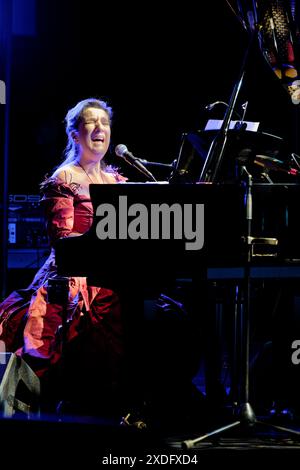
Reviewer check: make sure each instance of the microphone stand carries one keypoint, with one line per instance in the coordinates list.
(246, 412)
(246, 416)
(209, 173)
(159, 164)
(140, 167)
(215, 154)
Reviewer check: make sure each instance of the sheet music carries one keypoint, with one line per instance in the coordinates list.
(216, 124)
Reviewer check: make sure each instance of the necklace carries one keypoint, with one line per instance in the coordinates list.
(84, 170)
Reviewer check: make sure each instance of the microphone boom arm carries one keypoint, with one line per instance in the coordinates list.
(159, 164)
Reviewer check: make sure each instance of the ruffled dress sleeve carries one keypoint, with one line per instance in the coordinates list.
(58, 202)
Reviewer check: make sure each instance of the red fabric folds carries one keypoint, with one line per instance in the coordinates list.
(30, 325)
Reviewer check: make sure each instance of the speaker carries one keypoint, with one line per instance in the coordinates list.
(19, 386)
(26, 222)
(28, 246)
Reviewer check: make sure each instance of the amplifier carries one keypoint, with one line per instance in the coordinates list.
(26, 222)
(28, 245)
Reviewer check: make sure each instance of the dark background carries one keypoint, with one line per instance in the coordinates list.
(157, 66)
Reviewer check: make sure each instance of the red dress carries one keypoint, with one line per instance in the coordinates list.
(30, 325)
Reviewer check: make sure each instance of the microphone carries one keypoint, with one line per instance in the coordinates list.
(211, 106)
(122, 151)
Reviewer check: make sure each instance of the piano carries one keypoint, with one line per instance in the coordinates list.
(146, 233)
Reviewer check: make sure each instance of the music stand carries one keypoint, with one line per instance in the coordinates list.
(243, 147)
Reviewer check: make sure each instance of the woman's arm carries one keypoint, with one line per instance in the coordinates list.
(58, 201)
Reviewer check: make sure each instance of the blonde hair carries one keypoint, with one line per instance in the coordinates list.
(72, 121)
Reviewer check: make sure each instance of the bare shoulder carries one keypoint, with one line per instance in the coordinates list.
(66, 173)
(109, 177)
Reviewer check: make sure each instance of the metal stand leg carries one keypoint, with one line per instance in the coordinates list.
(246, 415)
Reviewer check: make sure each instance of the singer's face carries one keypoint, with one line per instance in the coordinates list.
(94, 132)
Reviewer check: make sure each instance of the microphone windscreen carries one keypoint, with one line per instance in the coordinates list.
(120, 150)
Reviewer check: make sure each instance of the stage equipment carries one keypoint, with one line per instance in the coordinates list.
(269, 21)
(278, 25)
(274, 24)
(265, 155)
(279, 38)
(19, 387)
(27, 239)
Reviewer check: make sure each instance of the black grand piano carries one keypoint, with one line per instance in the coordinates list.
(145, 233)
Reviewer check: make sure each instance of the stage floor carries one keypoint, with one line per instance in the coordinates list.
(92, 442)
